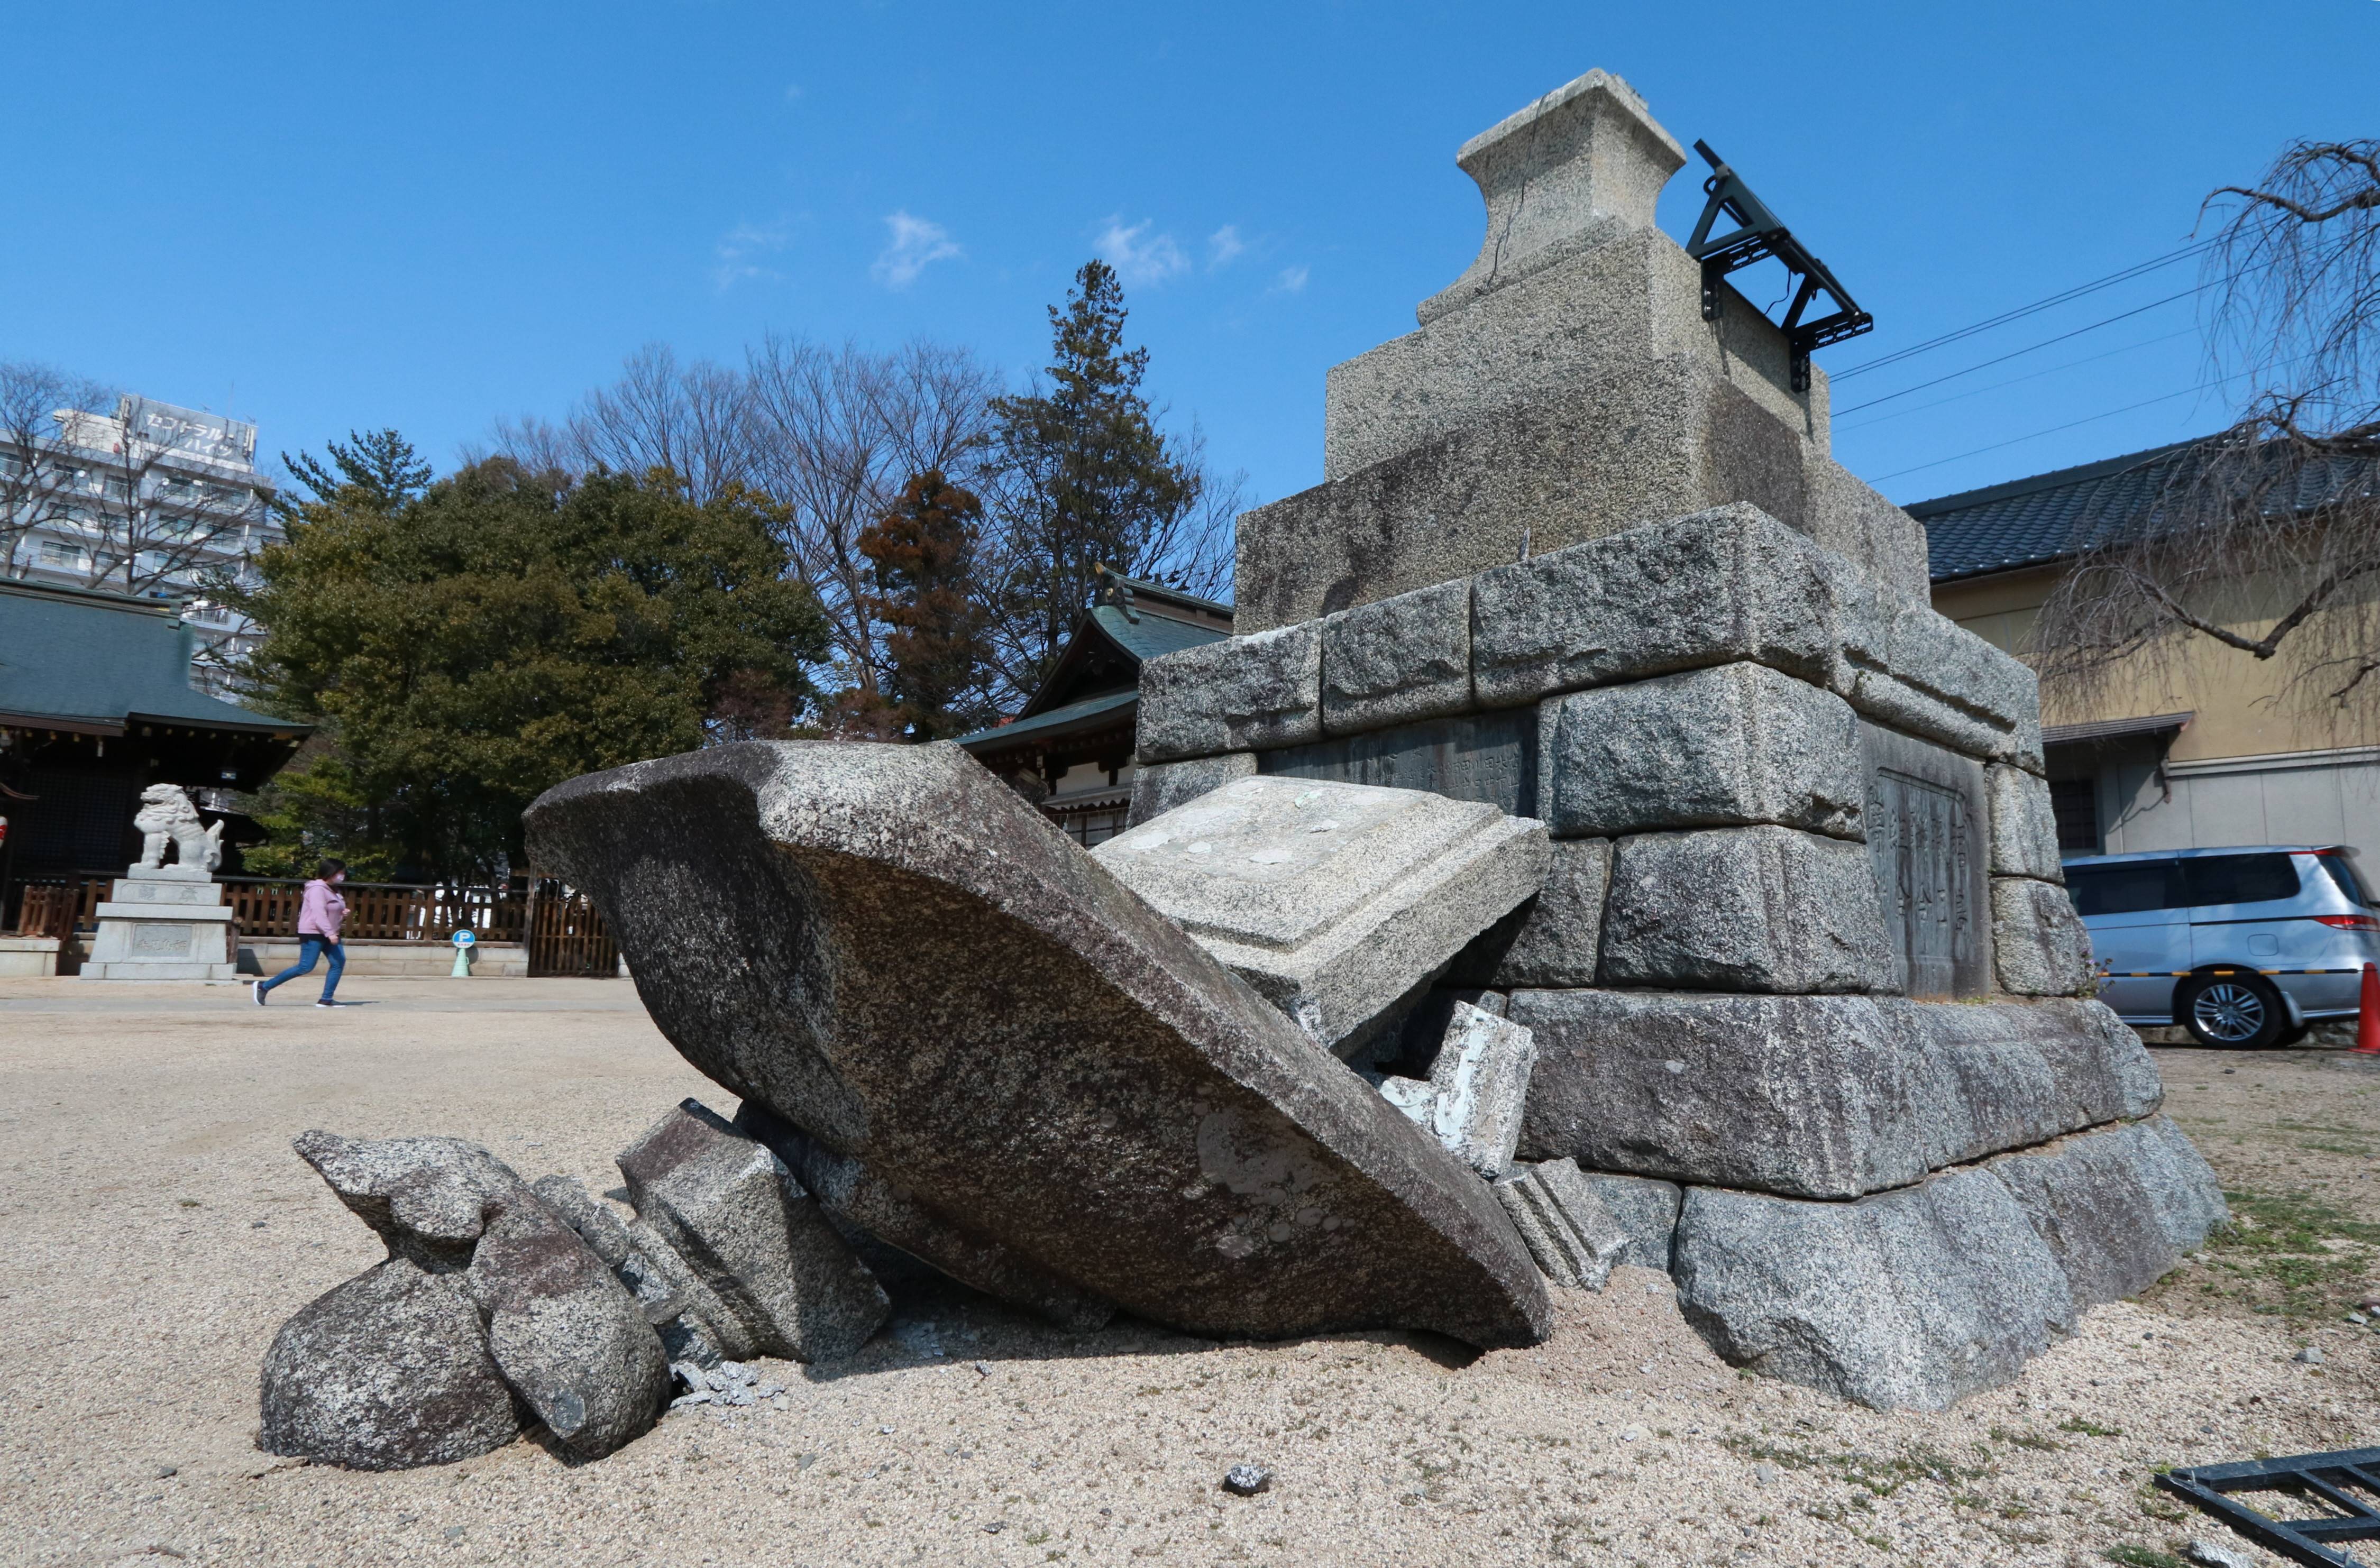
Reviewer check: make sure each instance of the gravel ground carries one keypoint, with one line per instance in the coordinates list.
(158, 1229)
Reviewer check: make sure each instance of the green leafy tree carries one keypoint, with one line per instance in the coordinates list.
(468, 643)
(1084, 479)
(936, 651)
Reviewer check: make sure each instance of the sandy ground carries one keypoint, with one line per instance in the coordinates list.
(157, 1230)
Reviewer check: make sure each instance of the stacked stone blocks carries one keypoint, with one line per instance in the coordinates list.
(1793, 816)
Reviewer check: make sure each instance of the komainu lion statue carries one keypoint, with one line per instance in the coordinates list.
(166, 812)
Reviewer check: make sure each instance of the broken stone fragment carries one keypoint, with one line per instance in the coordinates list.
(1646, 1210)
(1334, 901)
(848, 1189)
(895, 953)
(1481, 1084)
(728, 1209)
(387, 1370)
(665, 1293)
(426, 1198)
(1570, 1233)
(566, 1335)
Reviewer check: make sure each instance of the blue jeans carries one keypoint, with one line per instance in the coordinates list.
(309, 949)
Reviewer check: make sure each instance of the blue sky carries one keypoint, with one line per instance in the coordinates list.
(429, 215)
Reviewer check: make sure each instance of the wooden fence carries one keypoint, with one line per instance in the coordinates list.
(563, 931)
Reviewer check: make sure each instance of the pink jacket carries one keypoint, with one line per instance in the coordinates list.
(323, 912)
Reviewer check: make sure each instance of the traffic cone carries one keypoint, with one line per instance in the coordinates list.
(2367, 1017)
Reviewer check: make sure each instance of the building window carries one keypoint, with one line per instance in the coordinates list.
(54, 553)
(2075, 802)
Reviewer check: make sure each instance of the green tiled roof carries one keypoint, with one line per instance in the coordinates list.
(83, 657)
(1152, 634)
(1092, 713)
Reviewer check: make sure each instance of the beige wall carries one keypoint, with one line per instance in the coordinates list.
(2251, 767)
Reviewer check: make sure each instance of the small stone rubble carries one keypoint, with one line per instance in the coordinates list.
(502, 1303)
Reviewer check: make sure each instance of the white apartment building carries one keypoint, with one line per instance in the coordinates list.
(148, 500)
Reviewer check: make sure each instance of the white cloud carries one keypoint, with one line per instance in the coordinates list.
(738, 254)
(915, 245)
(1291, 281)
(1140, 257)
(1223, 244)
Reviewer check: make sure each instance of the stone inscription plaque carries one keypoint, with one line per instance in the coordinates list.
(160, 941)
(1926, 840)
(1490, 757)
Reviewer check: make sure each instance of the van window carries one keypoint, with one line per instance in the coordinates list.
(2350, 881)
(2240, 878)
(2126, 888)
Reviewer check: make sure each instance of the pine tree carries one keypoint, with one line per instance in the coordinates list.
(1086, 478)
(923, 552)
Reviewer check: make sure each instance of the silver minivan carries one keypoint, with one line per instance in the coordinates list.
(2244, 947)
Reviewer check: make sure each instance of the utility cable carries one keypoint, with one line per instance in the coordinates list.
(2030, 348)
(2013, 381)
(2077, 292)
(2091, 419)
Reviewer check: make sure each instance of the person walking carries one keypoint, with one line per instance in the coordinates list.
(319, 919)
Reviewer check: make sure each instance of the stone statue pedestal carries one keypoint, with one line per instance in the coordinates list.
(162, 923)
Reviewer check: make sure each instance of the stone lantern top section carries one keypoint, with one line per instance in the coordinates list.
(1576, 168)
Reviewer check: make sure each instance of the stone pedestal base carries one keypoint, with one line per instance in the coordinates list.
(162, 923)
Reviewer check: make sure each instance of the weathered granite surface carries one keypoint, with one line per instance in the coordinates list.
(2042, 946)
(2025, 827)
(1924, 820)
(729, 1209)
(888, 948)
(1333, 901)
(1158, 787)
(1760, 908)
(2119, 1207)
(1916, 1297)
(1481, 1079)
(1572, 1235)
(1397, 659)
(426, 1198)
(1484, 757)
(1727, 746)
(1814, 1096)
(855, 1194)
(384, 1372)
(1241, 694)
(1553, 939)
(1646, 1211)
(1714, 588)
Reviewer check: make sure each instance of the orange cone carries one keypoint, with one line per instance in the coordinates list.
(2367, 1020)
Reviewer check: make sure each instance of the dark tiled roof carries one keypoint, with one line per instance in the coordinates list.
(80, 656)
(2032, 522)
(1152, 634)
(1074, 718)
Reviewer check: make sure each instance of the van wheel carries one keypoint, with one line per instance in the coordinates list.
(2232, 1012)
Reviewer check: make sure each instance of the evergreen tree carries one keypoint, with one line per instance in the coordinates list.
(1084, 479)
(922, 554)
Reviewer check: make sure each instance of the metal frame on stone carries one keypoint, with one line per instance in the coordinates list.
(2327, 1477)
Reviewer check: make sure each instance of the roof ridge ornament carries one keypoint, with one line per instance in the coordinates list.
(1759, 233)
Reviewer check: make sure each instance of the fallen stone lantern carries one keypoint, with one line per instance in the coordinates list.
(1594, 850)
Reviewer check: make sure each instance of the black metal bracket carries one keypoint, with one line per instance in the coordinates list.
(2346, 1480)
(1759, 234)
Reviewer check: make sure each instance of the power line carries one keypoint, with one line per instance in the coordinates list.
(2030, 348)
(2077, 292)
(2053, 430)
(2013, 381)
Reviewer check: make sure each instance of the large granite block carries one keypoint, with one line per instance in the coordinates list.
(892, 952)
(1241, 694)
(1716, 588)
(1481, 1079)
(1814, 1096)
(2025, 827)
(729, 1208)
(1728, 746)
(2042, 946)
(1158, 787)
(1760, 908)
(1943, 682)
(1914, 1299)
(2117, 1207)
(1553, 939)
(1333, 901)
(1485, 756)
(1397, 660)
